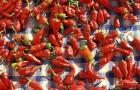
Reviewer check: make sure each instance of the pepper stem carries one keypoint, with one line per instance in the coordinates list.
(28, 3)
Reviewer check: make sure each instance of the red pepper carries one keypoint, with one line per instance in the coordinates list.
(10, 10)
(116, 70)
(19, 54)
(122, 51)
(5, 79)
(138, 72)
(116, 22)
(2, 41)
(106, 42)
(96, 6)
(69, 51)
(78, 33)
(17, 25)
(106, 14)
(80, 83)
(57, 70)
(69, 30)
(11, 86)
(100, 17)
(99, 36)
(18, 7)
(77, 87)
(136, 43)
(121, 10)
(93, 15)
(105, 3)
(69, 22)
(32, 58)
(21, 48)
(8, 23)
(69, 11)
(98, 88)
(74, 44)
(2, 85)
(69, 79)
(129, 67)
(5, 53)
(82, 74)
(22, 64)
(136, 6)
(58, 80)
(59, 38)
(123, 67)
(53, 40)
(92, 45)
(42, 19)
(124, 44)
(7, 6)
(106, 59)
(131, 17)
(94, 26)
(128, 6)
(58, 51)
(37, 47)
(134, 70)
(55, 24)
(24, 16)
(112, 34)
(27, 70)
(108, 48)
(60, 62)
(86, 31)
(83, 18)
(86, 53)
(10, 45)
(42, 54)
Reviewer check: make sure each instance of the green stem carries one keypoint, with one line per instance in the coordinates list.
(28, 3)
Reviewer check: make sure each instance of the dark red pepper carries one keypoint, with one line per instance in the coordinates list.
(116, 70)
(123, 67)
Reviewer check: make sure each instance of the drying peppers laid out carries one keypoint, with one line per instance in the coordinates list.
(63, 30)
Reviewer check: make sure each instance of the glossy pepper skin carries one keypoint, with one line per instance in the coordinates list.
(116, 70)
(42, 54)
(123, 67)
(108, 48)
(69, 52)
(116, 22)
(124, 44)
(100, 17)
(37, 48)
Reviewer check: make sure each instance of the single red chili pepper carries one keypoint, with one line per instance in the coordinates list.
(69, 30)
(78, 33)
(11, 86)
(58, 80)
(86, 53)
(69, 22)
(83, 18)
(57, 70)
(10, 10)
(37, 47)
(82, 74)
(19, 54)
(18, 7)
(10, 45)
(74, 44)
(57, 62)
(96, 6)
(122, 51)
(5, 79)
(92, 45)
(17, 25)
(53, 40)
(124, 44)
(86, 31)
(116, 70)
(136, 43)
(6, 6)
(112, 34)
(69, 52)
(24, 16)
(105, 3)
(123, 67)
(108, 48)
(38, 36)
(104, 60)
(106, 42)
(55, 24)
(80, 83)
(10, 57)
(27, 70)
(42, 54)
(129, 67)
(59, 38)
(8, 23)
(99, 36)
(100, 17)
(22, 64)
(58, 51)
(93, 15)
(90, 4)
(121, 10)
(45, 4)
(2, 25)
(134, 70)
(106, 14)
(32, 58)
(21, 48)
(69, 79)
(42, 19)
(93, 24)
(98, 88)
(2, 85)
(116, 22)
(5, 53)
(69, 11)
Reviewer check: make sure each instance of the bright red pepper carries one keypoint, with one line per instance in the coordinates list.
(5, 79)
(78, 33)
(122, 51)
(94, 26)
(22, 64)
(93, 15)
(42, 19)
(32, 58)
(123, 67)
(2, 85)
(57, 70)
(53, 40)
(99, 36)
(116, 22)
(5, 53)
(106, 14)
(80, 83)
(106, 42)
(124, 44)
(18, 7)
(11, 86)
(10, 57)
(59, 38)
(58, 51)
(92, 45)
(42, 54)
(69, 22)
(112, 34)
(69, 30)
(136, 43)
(86, 31)
(83, 18)
(37, 47)
(58, 80)
(105, 3)
(69, 11)
(121, 10)
(100, 17)
(69, 52)
(129, 67)
(108, 48)
(116, 70)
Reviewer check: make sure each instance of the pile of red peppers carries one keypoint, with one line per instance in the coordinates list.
(63, 30)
